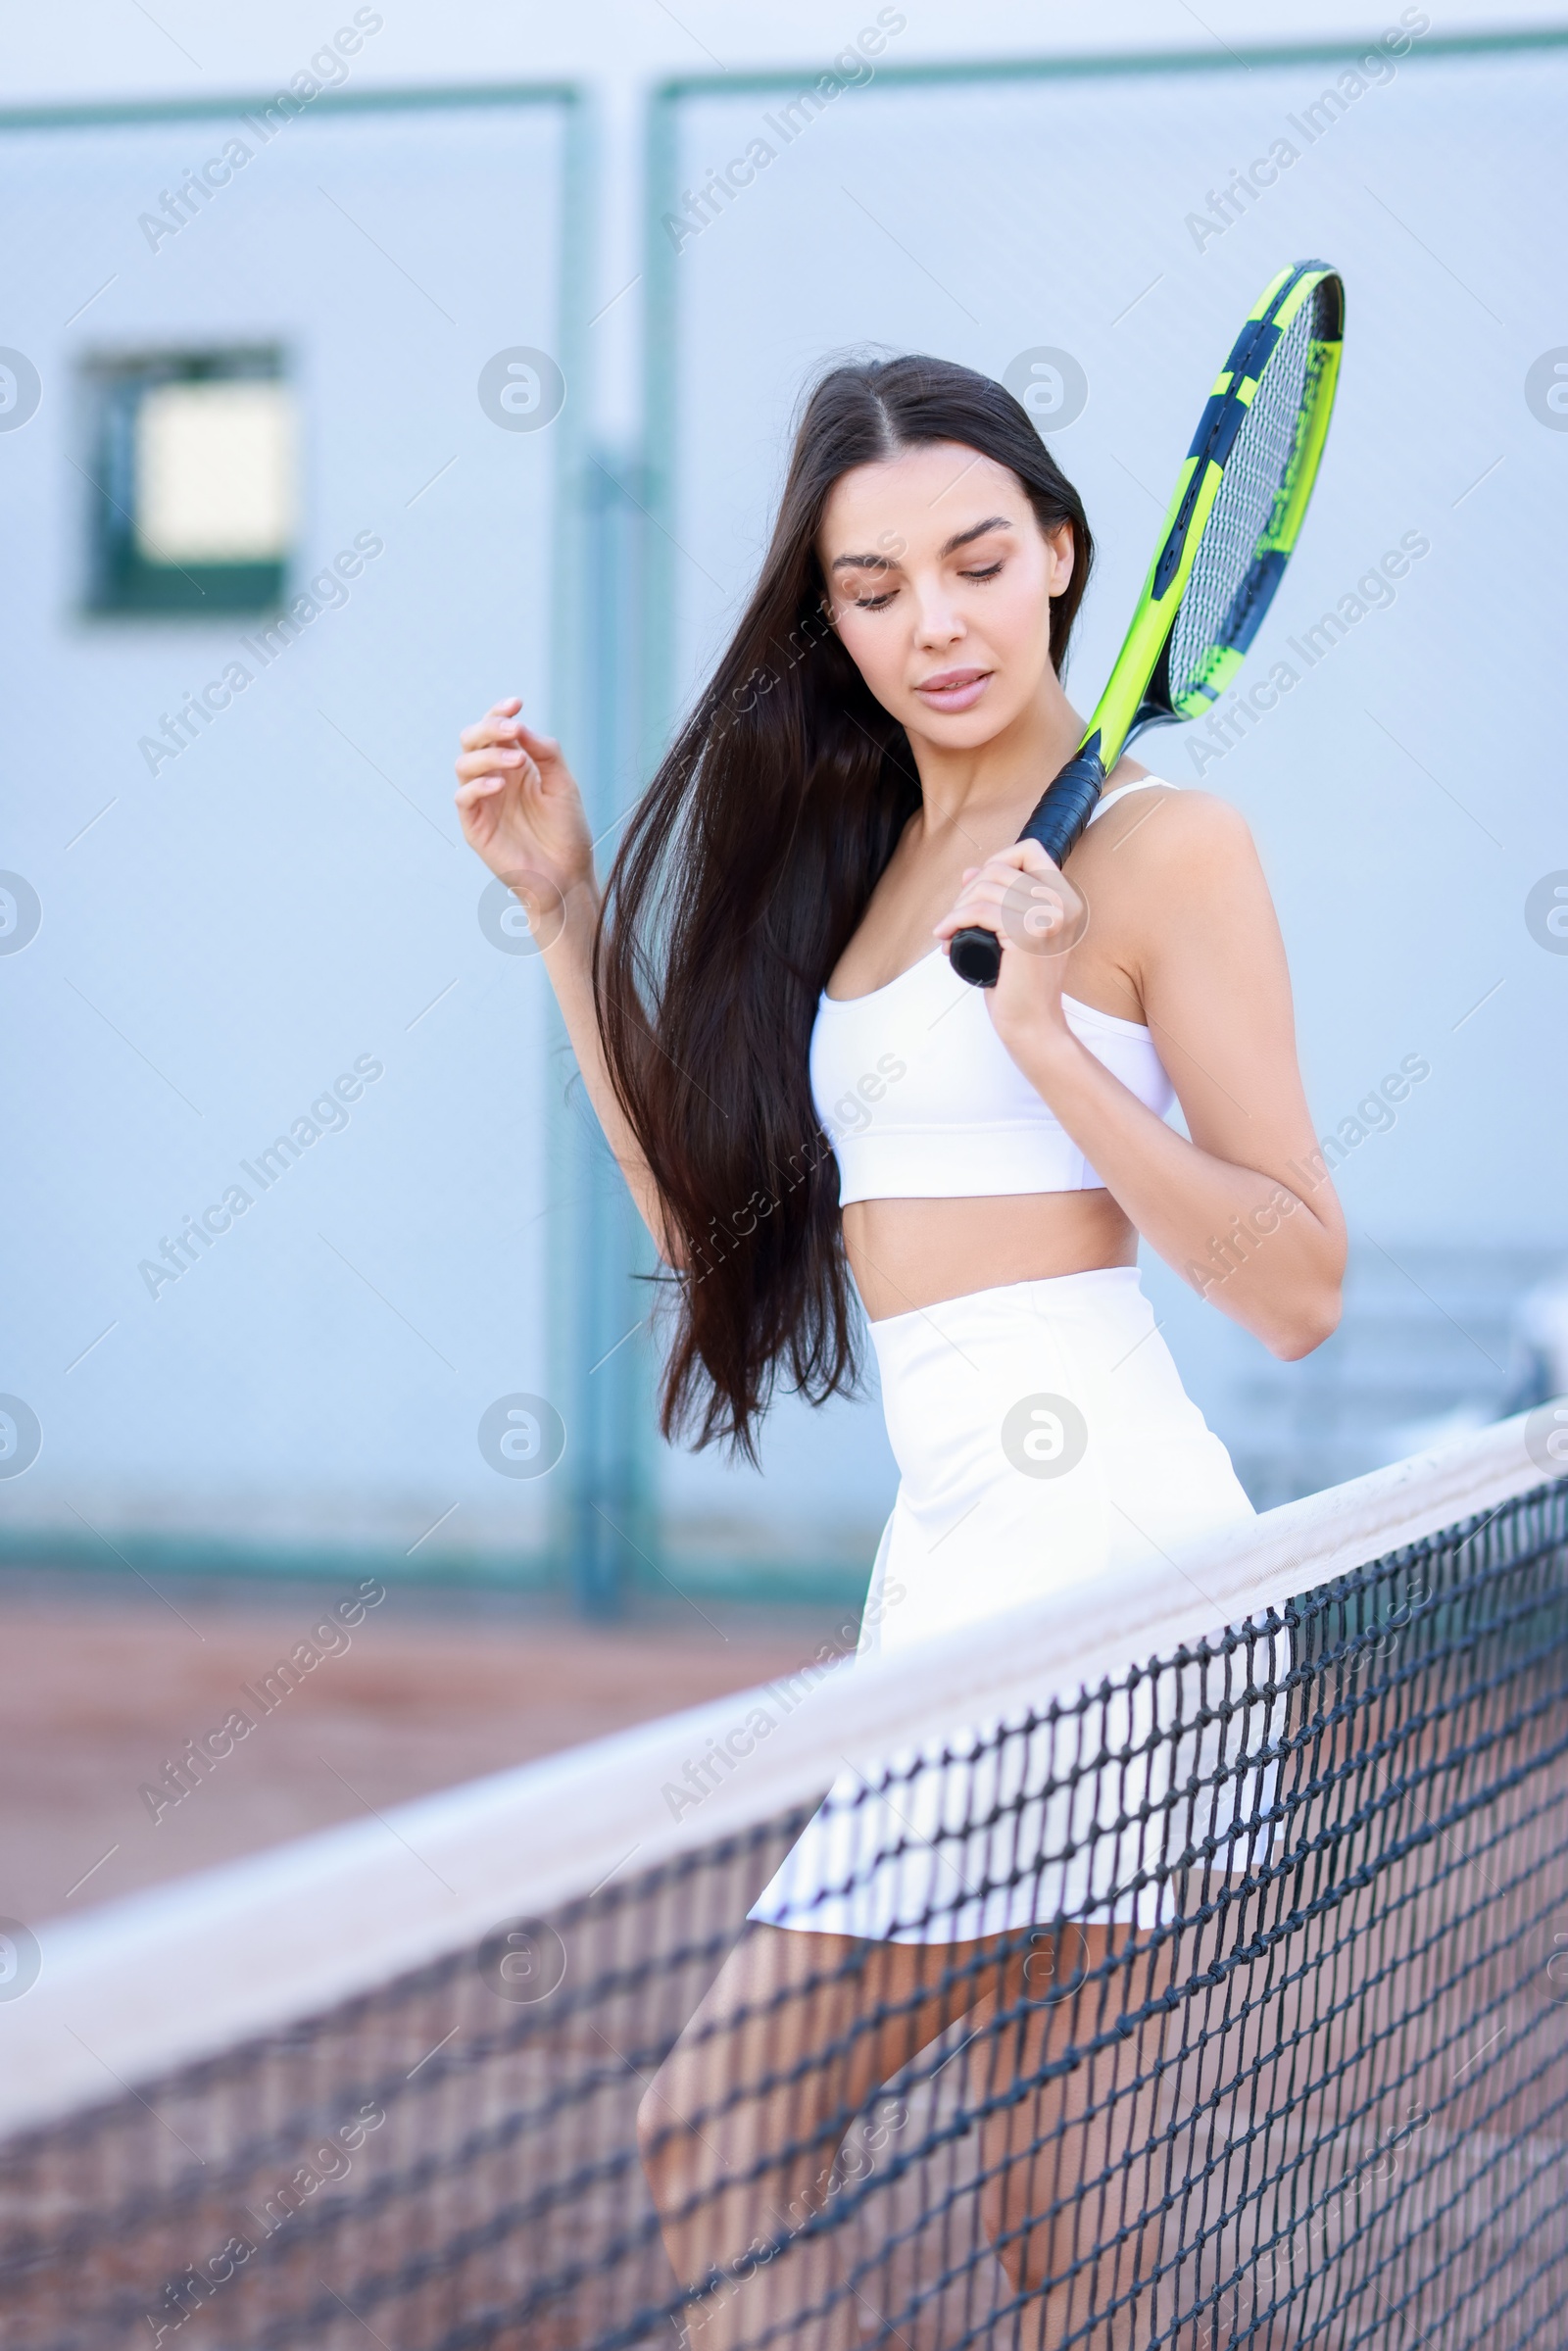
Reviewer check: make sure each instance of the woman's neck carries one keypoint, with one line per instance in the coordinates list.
(970, 788)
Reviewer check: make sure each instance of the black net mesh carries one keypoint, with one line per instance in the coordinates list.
(1254, 473)
(1313, 2092)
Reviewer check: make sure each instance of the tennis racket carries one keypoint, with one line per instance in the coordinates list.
(1233, 524)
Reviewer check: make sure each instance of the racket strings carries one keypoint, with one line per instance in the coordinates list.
(1251, 492)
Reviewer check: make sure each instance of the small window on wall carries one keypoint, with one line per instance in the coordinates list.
(194, 475)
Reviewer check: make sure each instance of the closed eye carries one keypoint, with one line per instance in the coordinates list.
(875, 604)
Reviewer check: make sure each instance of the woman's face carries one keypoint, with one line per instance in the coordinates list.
(940, 580)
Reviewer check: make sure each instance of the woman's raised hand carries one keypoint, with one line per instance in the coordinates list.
(519, 807)
(1038, 917)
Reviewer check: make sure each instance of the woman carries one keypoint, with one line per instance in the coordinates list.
(767, 974)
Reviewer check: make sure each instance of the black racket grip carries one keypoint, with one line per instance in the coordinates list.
(1063, 811)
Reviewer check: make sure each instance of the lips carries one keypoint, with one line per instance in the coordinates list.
(952, 689)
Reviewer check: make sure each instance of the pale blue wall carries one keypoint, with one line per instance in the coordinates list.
(292, 891)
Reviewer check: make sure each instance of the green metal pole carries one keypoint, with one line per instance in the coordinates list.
(605, 1526)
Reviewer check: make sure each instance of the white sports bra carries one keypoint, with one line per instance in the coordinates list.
(923, 1101)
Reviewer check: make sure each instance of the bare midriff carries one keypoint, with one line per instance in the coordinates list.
(906, 1254)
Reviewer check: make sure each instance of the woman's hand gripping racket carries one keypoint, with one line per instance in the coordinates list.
(1232, 527)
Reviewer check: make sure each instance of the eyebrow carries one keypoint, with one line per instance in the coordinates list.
(962, 538)
(976, 530)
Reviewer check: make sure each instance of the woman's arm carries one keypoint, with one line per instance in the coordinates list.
(520, 809)
(1244, 1209)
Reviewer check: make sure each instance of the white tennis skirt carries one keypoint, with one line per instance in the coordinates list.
(1043, 1435)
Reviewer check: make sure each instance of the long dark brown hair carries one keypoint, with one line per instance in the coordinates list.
(741, 876)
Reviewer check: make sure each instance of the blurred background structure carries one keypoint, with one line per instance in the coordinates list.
(360, 368)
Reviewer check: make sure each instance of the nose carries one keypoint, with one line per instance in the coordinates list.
(937, 621)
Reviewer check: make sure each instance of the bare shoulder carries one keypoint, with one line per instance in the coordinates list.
(1180, 888)
(1173, 812)
(1155, 834)
(1179, 897)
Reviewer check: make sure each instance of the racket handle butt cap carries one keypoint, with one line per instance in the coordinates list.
(975, 954)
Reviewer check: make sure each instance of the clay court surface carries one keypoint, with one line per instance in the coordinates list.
(103, 1682)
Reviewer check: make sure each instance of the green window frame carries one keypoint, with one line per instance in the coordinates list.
(123, 578)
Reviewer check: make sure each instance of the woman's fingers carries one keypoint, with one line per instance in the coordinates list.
(1017, 893)
(492, 757)
(508, 734)
(478, 787)
(496, 758)
(480, 768)
(984, 892)
(490, 729)
(478, 807)
(501, 724)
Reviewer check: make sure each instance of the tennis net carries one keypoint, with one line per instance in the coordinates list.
(1270, 2047)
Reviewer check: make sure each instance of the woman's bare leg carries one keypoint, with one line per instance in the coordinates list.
(740, 2126)
(1071, 2164)
(740, 2129)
